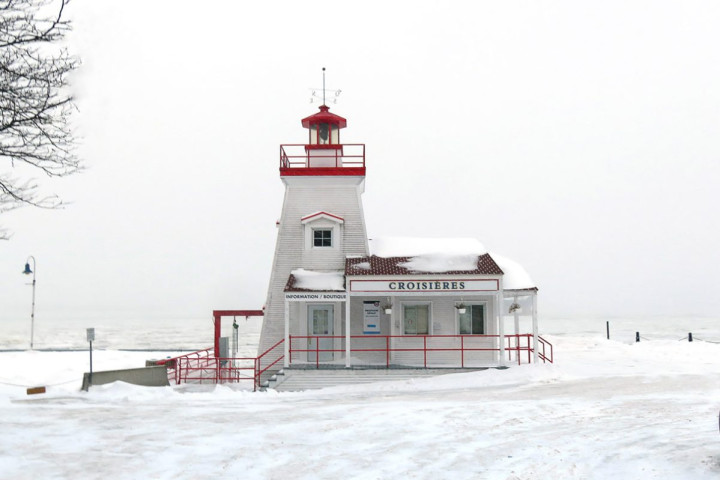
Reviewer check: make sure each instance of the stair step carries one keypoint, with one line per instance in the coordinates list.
(295, 380)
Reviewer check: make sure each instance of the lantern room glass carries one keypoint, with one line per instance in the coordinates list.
(324, 134)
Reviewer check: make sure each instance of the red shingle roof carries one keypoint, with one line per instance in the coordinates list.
(391, 266)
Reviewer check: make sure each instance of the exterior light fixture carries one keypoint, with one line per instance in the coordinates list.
(29, 271)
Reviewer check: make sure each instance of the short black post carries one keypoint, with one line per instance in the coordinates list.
(637, 337)
(90, 378)
(607, 327)
(90, 338)
(690, 337)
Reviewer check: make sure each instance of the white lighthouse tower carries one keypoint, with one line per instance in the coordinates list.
(321, 224)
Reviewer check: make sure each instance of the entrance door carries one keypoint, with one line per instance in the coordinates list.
(320, 323)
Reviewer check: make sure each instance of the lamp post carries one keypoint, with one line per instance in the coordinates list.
(28, 271)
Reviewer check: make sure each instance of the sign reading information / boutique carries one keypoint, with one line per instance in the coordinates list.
(316, 296)
(424, 286)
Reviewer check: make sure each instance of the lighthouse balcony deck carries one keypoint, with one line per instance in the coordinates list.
(322, 160)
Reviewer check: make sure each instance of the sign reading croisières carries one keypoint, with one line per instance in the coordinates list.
(425, 285)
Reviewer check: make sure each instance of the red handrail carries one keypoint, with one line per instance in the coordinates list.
(542, 355)
(523, 343)
(201, 366)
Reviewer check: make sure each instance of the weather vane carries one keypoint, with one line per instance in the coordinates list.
(315, 96)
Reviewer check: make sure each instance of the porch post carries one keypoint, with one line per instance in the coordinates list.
(535, 327)
(216, 345)
(287, 334)
(501, 324)
(517, 328)
(347, 331)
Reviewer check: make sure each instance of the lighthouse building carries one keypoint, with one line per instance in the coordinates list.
(339, 300)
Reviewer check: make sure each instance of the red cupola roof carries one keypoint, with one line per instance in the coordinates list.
(324, 116)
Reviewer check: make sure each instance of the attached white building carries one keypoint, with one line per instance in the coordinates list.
(337, 299)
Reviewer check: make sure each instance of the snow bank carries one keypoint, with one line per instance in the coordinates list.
(605, 409)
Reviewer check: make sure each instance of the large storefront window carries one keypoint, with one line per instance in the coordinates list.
(416, 319)
(472, 322)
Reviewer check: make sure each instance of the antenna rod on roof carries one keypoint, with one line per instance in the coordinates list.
(323, 85)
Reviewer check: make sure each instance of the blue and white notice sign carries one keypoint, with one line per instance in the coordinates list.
(371, 318)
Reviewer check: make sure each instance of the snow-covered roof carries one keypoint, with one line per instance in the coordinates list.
(516, 277)
(415, 246)
(412, 255)
(309, 280)
(422, 265)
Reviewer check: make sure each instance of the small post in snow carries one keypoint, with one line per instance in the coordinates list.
(607, 328)
(690, 337)
(637, 337)
(90, 338)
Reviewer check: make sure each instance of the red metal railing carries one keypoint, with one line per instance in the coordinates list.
(175, 365)
(542, 353)
(384, 344)
(202, 367)
(352, 155)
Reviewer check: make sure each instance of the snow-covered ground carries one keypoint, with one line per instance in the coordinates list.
(605, 409)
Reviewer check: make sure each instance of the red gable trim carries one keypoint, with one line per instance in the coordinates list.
(336, 217)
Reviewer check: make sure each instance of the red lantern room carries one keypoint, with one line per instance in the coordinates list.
(324, 129)
(323, 155)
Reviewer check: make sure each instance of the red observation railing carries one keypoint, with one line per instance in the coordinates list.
(203, 367)
(313, 348)
(345, 159)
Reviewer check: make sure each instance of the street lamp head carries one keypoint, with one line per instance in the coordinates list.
(27, 269)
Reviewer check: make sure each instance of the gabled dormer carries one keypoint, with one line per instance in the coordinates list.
(322, 231)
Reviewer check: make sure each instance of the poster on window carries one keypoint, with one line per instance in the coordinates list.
(371, 318)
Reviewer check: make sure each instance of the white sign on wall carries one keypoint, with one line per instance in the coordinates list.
(424, 286)
(371, 317)
(331, 297)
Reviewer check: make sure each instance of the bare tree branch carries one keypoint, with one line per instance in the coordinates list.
(35, 102)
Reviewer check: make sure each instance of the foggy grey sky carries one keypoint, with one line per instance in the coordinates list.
(577, 138)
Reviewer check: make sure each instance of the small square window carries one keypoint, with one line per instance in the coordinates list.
(322, 238)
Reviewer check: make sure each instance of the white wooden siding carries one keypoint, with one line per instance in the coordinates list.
(303, 196)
